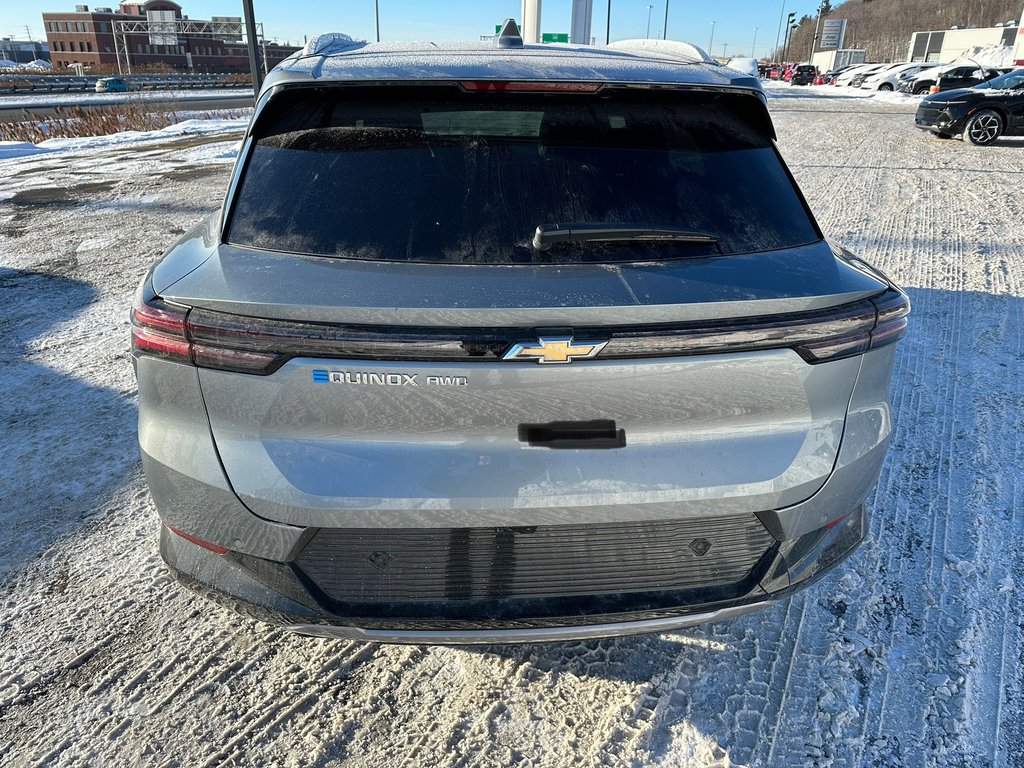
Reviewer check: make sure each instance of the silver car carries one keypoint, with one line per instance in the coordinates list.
(502, 342)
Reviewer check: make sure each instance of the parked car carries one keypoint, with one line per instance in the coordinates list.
(982, 113)
(888, 80)
(111, 85)
(860, 77)
(828, 78)
(924, 80)
(803, 74)
(500, 342)
(845, 78)
(964, 77)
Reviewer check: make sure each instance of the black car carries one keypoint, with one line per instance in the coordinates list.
(966, 76)
(982, 114)
(804, 75)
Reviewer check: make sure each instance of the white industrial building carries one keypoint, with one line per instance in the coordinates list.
(950, 44)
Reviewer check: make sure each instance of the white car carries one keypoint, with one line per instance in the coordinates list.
(888, 80)
(852, 72)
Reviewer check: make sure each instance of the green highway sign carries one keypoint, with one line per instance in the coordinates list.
(555, 37)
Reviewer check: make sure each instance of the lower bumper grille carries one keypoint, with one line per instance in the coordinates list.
(440, 565)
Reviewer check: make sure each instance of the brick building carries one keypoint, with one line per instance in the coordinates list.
(87, 37)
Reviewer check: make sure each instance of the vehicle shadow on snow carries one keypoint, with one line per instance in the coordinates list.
(65, 443)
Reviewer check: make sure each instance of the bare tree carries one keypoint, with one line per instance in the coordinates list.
(884, 27)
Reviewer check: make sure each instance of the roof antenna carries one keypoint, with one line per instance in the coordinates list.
(510, 37)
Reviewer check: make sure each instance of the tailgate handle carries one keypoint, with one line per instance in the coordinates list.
(599, 433)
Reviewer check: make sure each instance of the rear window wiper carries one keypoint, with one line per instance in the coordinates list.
(583, 232)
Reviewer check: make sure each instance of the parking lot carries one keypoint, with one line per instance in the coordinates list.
(910, 654)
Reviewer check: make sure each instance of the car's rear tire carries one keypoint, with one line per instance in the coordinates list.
(921, 89)
(885, 87)
(984, 127)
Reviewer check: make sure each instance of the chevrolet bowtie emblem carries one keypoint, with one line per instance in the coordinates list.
(559, 349)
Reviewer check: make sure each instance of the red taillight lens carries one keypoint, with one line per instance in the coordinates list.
(933, 89)
(163, 329)
(509, 86)
(886, 325)
(158, 328)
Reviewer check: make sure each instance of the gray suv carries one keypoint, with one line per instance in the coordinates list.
(503, 342)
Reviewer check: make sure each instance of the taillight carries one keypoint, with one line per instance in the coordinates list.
(260, 346)
(887, 324)
(163, 329)
(933, 89)
(158, 328)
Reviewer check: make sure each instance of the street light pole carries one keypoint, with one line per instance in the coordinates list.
(753, 45)
(650, 8)
(725, 50)
(711, 42)
(608, 25)
(664, 30)
(817, 25)
(778, 34)
(376, 16)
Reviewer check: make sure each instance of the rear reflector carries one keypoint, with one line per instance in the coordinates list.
(217, 550)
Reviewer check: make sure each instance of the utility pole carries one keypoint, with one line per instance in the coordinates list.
(28, 32)
(608, 26)
(650, 8)
(250, 40)
(753, 45)
(725, 50)
(664, 30)
(711, 42)
(376, 16)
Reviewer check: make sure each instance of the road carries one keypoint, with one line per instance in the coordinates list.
(13, 108)
(910, 654)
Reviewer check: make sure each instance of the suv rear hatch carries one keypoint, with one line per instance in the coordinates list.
(382, 344)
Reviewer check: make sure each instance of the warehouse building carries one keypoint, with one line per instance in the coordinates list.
(88, 37)
(950, 44)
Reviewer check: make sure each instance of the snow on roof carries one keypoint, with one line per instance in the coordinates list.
(339, 57)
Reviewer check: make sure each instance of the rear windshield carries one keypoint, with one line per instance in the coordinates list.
(433, 174)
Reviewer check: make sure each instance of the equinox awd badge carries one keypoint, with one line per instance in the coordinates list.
(386, 379)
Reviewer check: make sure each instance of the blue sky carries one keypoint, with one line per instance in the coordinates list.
(467, 19)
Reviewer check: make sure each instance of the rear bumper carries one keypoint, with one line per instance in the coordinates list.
(283, 595)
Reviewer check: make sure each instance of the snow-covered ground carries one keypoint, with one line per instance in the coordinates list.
(775, 89)
(910, 654)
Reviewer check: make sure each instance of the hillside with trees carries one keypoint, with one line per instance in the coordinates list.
(884, 27)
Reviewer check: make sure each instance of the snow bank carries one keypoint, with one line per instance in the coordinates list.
(773, 89)
(989, 56)
(12, 149)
